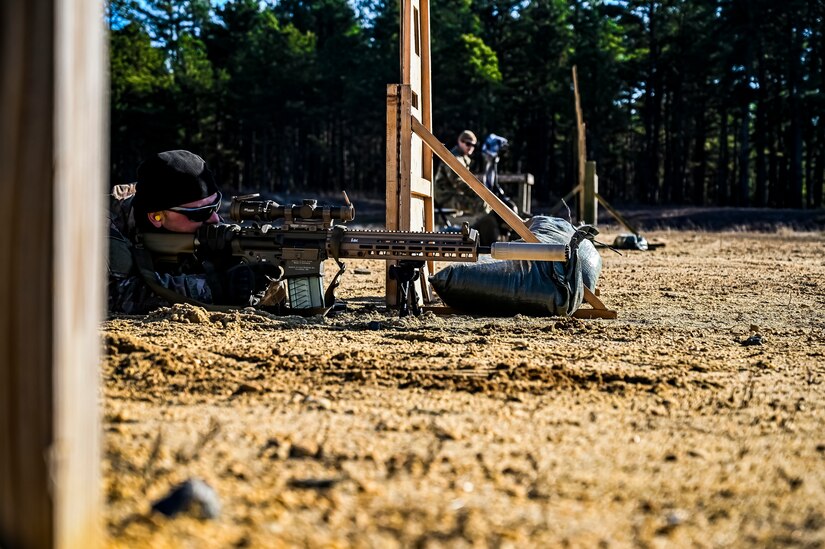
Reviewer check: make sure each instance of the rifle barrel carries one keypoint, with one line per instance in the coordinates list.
(530, 251)
(450, 247)
(384, 245)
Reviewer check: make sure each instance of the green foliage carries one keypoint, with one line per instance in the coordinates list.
(482, 60)
(685, 100)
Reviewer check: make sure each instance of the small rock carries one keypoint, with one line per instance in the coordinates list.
(374, 325)
(122, 416)
(301, 450)
(317, 403)
(755, 339)
(754, 328)
(194, 496)
(676, 517)
(244, 388)
(314, 483)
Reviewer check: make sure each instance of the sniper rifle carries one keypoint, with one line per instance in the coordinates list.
(308, 235)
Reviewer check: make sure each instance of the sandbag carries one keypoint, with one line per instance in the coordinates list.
(536, 288)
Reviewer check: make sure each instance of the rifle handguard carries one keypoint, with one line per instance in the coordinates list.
(530, 251)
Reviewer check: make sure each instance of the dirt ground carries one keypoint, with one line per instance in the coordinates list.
(657, 429)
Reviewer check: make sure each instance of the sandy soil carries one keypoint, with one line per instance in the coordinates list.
(654, 430)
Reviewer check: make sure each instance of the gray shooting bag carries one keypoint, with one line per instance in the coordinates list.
(537, 288)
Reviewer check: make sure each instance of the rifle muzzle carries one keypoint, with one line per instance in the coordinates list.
(530, 251)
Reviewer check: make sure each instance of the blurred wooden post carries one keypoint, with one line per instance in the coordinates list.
(590, 190)
(53, 147)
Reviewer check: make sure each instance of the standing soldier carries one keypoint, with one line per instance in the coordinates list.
(450, 192)
(493, 146)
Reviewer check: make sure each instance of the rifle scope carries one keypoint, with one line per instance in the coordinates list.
(243, 209)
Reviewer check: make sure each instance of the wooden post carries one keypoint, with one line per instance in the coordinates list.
(581, 133)
(409, 163)
(525, 194)
(52, 152)
(392, 188)
(589, 192)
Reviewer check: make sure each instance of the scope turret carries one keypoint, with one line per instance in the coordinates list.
(245, 209)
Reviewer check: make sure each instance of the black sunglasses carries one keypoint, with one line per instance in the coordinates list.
(469, 143)
(201, 213)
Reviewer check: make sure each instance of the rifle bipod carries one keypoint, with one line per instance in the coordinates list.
(405, 273)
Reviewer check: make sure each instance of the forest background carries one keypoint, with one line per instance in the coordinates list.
(705, 102)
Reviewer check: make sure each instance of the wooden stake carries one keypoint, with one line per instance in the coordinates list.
(590, 205)
(581, 139)
(615, 213)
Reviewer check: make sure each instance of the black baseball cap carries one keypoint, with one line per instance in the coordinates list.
(172, 178)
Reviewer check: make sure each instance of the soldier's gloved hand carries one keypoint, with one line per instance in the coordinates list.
(215, 241)
(245, 280)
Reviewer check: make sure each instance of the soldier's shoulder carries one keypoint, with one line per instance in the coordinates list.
(121, 212)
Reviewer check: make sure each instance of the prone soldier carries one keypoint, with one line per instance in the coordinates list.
(175, 193)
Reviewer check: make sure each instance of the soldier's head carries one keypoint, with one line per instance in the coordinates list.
(175, 192)
(467, 141)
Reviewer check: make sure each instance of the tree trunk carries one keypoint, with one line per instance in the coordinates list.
(761, 194)
(700, 157)
(722, 169)
(795, 130)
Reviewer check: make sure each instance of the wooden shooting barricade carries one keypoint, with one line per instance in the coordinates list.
(409, 191)
(411, 144)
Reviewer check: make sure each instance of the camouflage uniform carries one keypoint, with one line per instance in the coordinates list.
(128, 291)
(451, 192)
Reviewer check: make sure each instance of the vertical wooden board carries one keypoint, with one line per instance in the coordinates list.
(392, 158)
(426, 90)
(405, 156)
(393, 196)
(415, 211)
(81, 151)
(26, 150)
(52, 148)
(418, 208)
(404, 37)
(415, 56)
(413, 14)
(415, 169)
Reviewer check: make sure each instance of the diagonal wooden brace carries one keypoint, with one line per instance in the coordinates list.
(477, 186)
(509, 216)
